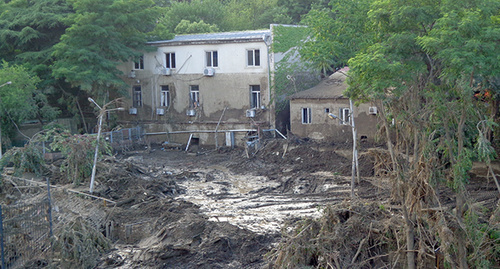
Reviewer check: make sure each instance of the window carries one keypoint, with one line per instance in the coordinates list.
(165, 96)
(254, 96)
(212, 59)
(170, 60)
(139, 64)
(306, 115)
(194, 96)
(344, 116)
(327, 110)
(137, 96)
(253, 57)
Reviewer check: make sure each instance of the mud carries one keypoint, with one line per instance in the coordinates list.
(223, 208)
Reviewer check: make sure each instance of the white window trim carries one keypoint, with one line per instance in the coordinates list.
(170, 56)
(165, 96)
(136, 102)
(345, 116)
(305, 120)
(258, 94)
(140, 62)
(211, 58)
(253, 58)
(194, 97)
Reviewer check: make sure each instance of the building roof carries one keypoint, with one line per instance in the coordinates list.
(332, 87)
(242, 36)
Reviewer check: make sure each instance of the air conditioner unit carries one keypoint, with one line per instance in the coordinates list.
(165, 71)
(209, 72)
(191, 112)
(160, 111)
(132, 111)
(372, 110)
(131, 74)
(250, 113)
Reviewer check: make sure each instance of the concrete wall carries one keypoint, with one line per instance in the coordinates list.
(225, 94)
(324, 128)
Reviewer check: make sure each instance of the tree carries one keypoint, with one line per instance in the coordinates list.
(21, 100)
(187, 27)
(211, 12)
(423, 63)
(336, 34)
(101, 34)
(295, 9)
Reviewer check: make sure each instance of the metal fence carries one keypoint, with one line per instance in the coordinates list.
(124, 139)
(25, 234)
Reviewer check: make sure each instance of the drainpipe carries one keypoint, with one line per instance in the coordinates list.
(267, 41)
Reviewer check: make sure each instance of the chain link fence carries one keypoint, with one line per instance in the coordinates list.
(25, 233)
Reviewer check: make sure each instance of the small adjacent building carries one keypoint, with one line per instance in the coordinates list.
(214, 88)
(310, 109)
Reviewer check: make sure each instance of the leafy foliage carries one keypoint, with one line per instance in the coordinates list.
(101, 34)
(78, 152)
(292, 74)
(21, 100)
(24, 159)
(187, 27)
(78, 243)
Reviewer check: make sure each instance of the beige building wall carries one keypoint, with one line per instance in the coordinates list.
(323, 128)
(224, 98)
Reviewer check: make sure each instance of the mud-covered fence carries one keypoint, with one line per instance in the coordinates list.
(124, 139)
(25, 234)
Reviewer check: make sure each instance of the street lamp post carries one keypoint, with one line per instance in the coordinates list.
(102, 110)
(355, 166)
(6, 83)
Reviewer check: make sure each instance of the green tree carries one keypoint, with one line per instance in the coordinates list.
(21, 100)
(187, 27)
(211, 12)
(295, 9)
(336, 34)
(101, 34)
(253, 14)
(423, 63)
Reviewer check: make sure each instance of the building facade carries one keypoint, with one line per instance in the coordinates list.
(211, 87)
(312, 113)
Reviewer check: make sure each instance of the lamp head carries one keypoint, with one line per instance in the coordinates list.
(332, 116)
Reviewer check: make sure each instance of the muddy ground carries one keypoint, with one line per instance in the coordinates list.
(206, 208)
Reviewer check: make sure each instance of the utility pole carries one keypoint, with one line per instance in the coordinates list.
(6, 83)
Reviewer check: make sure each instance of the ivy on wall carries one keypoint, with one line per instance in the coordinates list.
(287, 37)
(291, 74)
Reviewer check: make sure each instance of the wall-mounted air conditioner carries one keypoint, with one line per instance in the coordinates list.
(250, 113)
(191, 112)
(132, 111)
(131, 74)
(160, 111)
(165, 71)
(372, 110)
(209, 72)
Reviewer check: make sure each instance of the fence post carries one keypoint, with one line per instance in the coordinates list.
(1, 241)
(50, 207)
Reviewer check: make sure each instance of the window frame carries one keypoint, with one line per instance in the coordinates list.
(345, 116)
(211, 58)
(255, 96)
(170, 60)
(139, 64)
(306, 115)
(253, 60)
(194, 96)
(165, 96)
(136, 96)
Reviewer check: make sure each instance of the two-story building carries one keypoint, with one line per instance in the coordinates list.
(212, 87)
